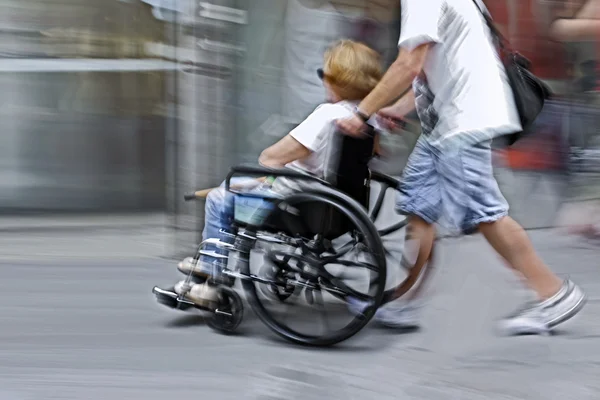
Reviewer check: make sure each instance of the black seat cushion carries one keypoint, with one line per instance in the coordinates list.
(346, 169)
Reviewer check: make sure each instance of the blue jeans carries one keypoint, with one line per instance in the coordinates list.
(462, 184)
(218, 216)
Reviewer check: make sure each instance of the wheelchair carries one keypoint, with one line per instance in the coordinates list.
(310, 241)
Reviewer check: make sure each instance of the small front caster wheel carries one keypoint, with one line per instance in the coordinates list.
(229, 312)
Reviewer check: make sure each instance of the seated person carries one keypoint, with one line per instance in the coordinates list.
(351, 70)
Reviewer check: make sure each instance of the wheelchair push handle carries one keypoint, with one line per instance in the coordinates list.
(199, 194)
(189, 196)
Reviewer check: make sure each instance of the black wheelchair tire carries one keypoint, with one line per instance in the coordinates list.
(359, 217)
(233, 303)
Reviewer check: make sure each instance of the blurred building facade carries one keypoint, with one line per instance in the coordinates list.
(82, 106)
(126, 104)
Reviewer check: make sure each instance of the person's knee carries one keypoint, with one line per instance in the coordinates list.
(418, 224)
(490, 226)
(507, 232)
(215, 200)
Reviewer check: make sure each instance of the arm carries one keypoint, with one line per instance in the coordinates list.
(306, 138)
(405, 105)
(584, 27)
(390, 117)
(590, 10)
(420, 29)
(396, 80)
(573, 30)
(283, 152)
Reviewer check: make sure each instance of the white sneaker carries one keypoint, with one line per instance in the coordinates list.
(201, 294)
(529, 320)
(399, 317)
(540, 318)
(356, 306)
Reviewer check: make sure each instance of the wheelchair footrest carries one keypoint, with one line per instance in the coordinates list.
(171, 299)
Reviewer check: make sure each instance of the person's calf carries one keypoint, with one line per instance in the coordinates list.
(509, 239)
(422, 234)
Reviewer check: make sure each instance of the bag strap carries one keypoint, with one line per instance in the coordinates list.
(502, 41)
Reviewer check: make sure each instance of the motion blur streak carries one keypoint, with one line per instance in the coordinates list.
(110, 110)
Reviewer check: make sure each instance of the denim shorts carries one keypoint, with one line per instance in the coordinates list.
(459, 186)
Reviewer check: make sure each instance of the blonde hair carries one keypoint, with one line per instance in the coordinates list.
(352, 69)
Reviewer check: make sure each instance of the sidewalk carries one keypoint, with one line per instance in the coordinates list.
(79, 222)
(115, 236)
(93, 331)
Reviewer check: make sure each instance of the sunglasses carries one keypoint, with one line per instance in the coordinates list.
(321, 73)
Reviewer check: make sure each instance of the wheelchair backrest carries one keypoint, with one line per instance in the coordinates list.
(347, 165)
(347, 169)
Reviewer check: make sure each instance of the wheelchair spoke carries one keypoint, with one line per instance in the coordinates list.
(393, 228)
(343, 250)
(328, 242)
(285, 263)
(322, 309)
(339, 289)
(357, 264)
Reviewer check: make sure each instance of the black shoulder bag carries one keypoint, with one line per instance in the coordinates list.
(529, 92)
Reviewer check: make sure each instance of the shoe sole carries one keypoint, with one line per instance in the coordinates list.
(407, 325)
(521, 331)
(399, 327)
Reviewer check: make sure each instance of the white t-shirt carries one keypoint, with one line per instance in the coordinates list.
(315, 133)
(471, 94)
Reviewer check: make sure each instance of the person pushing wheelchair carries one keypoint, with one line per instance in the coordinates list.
(448, 68)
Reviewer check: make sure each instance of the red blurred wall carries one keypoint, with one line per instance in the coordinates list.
(548, 58)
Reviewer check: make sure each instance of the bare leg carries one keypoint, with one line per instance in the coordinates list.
(509, 239)
(424, 234)
(418, 287)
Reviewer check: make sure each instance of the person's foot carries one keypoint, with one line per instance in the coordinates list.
(404, 316)
(201, 294)
(541, 317)
(397, 316)
(201, 270)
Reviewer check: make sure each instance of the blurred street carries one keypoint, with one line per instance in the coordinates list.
(112, 110)
(84, 325)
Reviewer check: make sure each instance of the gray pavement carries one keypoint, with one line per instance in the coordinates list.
(88, 328)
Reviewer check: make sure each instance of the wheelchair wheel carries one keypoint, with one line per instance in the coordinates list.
(229, 312)
(322, 270)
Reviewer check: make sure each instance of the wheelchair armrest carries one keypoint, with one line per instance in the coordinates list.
(385, 179)
(257, 170)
